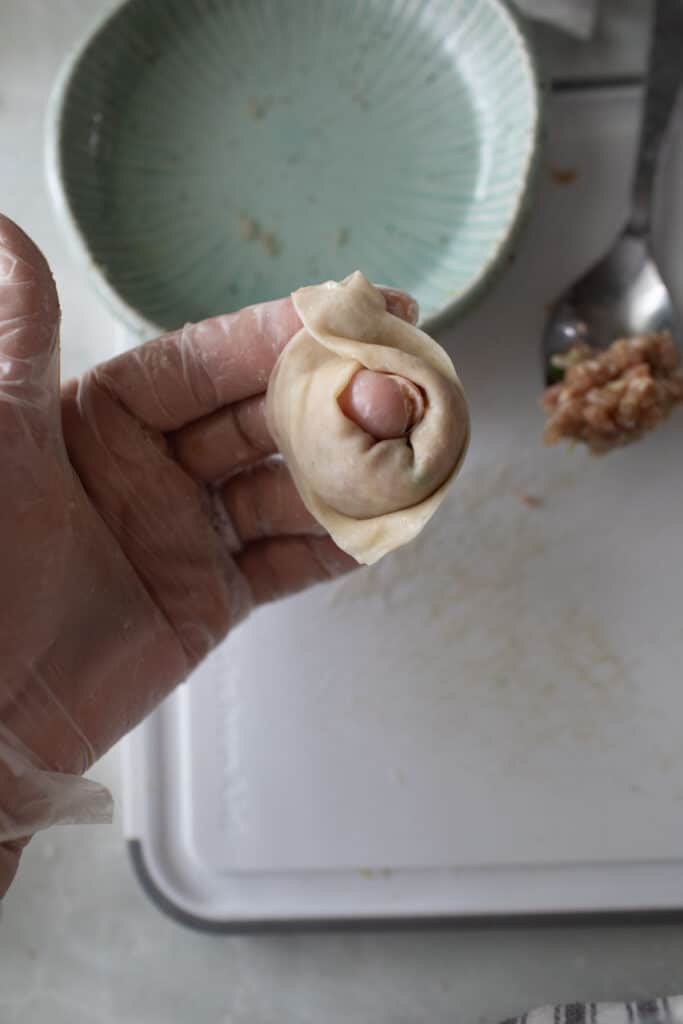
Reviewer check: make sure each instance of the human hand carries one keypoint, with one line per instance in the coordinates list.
(138, 524)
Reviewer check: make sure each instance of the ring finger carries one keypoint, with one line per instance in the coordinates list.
(263, 502)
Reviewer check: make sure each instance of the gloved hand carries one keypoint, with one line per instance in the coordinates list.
(138, 524)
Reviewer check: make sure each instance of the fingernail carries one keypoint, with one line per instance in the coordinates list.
(413, 401)
(384, 405)
(14, 269)
(412, 310)
(402, 305)
(7, 265)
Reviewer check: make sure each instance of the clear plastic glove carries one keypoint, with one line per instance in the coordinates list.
(138, 524)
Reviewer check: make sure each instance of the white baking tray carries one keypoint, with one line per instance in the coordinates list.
(488, 723)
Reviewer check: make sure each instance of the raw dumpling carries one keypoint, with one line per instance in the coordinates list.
(371, 496)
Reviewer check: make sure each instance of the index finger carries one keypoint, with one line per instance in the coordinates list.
(192, 372)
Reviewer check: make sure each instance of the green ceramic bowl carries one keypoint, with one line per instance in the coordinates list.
(207, 154)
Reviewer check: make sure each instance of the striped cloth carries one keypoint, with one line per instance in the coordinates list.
(646, 1011)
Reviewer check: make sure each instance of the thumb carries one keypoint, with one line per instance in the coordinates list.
(29, 341)
(382, 404)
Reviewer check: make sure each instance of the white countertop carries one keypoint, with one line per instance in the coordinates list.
(79, 940)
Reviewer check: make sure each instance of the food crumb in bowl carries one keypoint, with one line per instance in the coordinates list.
(251, 231)
(529, 500)
(271, 244)
(249, 228)
(564, 175)
(343, 236)
(258, 108)
(610, 398)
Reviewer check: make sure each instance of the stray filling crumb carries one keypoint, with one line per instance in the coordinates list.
(611, 398)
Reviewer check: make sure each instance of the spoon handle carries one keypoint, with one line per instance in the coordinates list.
(665, 75)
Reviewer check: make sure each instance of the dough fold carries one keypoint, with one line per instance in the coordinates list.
(371, 496)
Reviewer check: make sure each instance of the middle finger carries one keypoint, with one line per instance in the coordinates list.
(263, 502)
(214, 447)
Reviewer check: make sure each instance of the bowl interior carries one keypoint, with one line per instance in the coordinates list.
(220, 152)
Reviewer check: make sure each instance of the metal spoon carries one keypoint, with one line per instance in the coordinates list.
(624, 294)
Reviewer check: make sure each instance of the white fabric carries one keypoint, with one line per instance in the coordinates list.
(644, 1011)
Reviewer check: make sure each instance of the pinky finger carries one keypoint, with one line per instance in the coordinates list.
(281, 566)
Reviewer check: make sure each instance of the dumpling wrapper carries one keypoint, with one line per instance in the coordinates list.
(371, 496)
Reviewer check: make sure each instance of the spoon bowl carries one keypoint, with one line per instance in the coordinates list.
(625, 295)
(622, 296)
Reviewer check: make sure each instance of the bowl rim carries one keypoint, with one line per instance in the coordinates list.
(134, 321)
(464, 298)
(139, 325)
